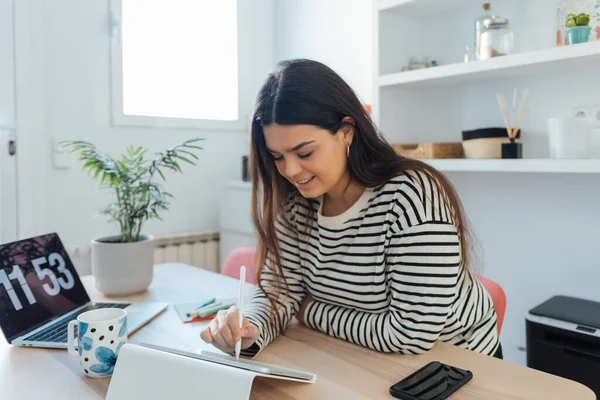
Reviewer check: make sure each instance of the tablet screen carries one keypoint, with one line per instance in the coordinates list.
(250, 365)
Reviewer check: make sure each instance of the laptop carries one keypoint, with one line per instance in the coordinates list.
(40, 292)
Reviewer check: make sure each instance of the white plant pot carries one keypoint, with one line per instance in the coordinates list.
(122, 268)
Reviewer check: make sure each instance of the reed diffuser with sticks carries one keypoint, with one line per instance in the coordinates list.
(512, 149)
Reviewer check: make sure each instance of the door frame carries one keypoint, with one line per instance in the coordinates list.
(9, 223)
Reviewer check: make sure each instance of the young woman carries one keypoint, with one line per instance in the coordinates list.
(353, 239)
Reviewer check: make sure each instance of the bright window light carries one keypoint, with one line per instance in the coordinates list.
(180, 59)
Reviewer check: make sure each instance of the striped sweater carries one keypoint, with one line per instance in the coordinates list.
(385, 274)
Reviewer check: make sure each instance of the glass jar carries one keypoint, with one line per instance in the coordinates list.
(487, 13)
(497, 38)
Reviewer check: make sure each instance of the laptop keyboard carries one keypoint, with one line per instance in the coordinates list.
(57, 333)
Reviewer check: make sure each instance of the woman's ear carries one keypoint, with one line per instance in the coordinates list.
(347, 130)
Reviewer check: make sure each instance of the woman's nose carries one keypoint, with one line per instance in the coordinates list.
(292, 168)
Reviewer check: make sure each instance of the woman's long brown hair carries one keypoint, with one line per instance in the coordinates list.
(308, 92)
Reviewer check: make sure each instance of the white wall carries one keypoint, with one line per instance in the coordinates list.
(63, 93)
(335, 32)
(538, 237)
(538, 233)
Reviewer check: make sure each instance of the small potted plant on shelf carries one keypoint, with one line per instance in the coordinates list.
(578, 29)
(123, 264)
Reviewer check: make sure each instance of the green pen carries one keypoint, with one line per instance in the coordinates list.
(194, 312)
(213, 309)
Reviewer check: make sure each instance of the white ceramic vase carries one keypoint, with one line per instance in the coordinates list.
(122, 268)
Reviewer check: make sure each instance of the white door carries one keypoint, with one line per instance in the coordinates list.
(8, 170)
(8, 186)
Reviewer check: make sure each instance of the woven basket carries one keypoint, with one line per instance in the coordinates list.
(430, 150)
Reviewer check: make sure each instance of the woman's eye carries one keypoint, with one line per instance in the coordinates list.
(278, 158)
(305, 155)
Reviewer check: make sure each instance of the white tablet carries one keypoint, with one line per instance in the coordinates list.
(250, 365)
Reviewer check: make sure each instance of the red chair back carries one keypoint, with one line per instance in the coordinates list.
(238, 257)
(498, 297)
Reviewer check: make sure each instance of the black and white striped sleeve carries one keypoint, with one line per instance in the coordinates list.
(422, 264)
(258, 310)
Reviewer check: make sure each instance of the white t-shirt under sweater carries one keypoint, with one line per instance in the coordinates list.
(385, 274)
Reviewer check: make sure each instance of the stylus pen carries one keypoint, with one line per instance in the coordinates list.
(238, 344)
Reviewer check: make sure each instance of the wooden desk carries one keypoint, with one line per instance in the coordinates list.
(344, 370)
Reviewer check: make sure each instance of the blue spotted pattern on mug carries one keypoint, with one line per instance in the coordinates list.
(107, 360)
(85, 343)
(83, 328)
(123, 329)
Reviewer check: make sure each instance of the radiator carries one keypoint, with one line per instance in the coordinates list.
(198, 249)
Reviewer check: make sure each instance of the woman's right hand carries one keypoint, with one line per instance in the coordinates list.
(224, 331)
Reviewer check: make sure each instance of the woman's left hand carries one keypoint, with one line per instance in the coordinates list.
(300, 317)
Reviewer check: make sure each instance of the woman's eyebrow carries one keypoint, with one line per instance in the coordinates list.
(297, 147)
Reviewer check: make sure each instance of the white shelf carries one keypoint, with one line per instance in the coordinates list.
(416, 8)
(391, 4)
(520, 165)
(539, 62)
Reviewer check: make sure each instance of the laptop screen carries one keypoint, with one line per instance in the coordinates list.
(38, 283)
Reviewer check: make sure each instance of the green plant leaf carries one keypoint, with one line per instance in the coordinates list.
(88, 163)
(114, 180)
(188, 153)
(97, 172)
(182, 158)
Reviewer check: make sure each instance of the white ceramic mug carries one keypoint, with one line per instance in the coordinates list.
(100, 335)
(569, 137)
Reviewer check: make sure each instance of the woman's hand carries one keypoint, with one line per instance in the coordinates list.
(300, 317)
(224, 331)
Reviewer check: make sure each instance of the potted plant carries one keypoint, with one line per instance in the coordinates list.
(123, 264)
(578, 29)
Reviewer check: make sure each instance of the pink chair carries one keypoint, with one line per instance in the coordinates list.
(498, 297)
(238, 257)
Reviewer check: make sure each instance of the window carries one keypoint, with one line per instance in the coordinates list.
(175, 63)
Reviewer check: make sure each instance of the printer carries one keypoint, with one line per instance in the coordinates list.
(563, 338)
